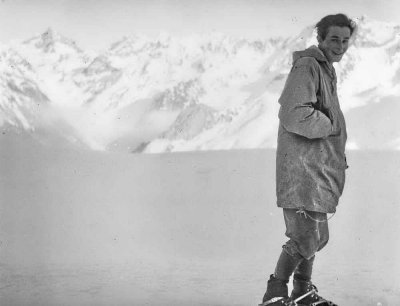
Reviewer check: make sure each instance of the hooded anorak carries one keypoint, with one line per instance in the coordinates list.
(311, 162)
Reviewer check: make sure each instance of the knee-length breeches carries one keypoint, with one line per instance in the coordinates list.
(307, 231)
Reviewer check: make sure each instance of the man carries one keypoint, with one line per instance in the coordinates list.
(311, 162)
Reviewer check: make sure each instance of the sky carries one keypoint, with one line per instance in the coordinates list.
(95, 24)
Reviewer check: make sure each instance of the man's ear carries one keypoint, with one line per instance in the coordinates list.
(319, 39)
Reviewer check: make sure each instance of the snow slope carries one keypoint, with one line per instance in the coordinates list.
(79, 227)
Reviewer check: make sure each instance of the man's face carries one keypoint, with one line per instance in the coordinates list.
(335, 43)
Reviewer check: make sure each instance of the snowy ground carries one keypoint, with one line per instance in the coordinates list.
(88, 228)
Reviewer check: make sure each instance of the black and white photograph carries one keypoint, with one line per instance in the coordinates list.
(199, 153)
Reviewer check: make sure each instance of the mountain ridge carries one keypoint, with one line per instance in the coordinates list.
(193, 93)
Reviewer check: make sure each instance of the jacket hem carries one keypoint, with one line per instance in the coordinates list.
(330, 210)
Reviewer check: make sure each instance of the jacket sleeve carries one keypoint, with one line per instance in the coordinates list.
(298, 113)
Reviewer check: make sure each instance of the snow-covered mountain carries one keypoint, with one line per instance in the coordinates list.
(201, 92)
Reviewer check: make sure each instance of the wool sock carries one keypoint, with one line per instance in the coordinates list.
(304, 269)
(286, 265)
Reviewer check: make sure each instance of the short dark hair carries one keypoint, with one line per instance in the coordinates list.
(339, 20)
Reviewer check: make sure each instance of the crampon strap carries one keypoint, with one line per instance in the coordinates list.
(305, 295)
(273, 300)
(321, 302)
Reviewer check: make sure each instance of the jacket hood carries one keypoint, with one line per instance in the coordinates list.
(312, 51)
